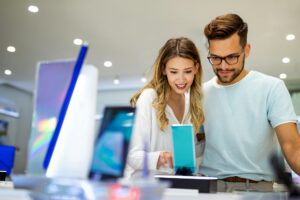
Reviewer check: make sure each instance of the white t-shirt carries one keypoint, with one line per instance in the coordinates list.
(146, 128)
(239, 122)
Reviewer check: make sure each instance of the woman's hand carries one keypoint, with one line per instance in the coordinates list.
(165, 159)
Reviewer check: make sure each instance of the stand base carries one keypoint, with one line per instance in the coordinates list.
(202, 184)
(2, 175)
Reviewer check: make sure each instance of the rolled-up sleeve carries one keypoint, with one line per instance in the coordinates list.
(280, 109)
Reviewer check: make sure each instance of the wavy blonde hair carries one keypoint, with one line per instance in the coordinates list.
(175, 47)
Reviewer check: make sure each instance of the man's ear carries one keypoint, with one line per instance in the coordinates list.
(247, 49)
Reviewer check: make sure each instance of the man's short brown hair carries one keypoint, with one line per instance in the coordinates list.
(224, 26)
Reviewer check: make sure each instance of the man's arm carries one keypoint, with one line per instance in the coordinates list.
(289, 140)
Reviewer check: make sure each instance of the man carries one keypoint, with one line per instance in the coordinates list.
(242, 108)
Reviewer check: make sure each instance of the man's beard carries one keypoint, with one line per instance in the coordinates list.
(236, 73)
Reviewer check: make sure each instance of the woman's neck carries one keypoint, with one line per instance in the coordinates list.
(176, 97)
(177, 102)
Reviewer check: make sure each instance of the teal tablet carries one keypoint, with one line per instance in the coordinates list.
(184, 156)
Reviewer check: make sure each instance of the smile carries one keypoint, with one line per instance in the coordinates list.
(181, 86)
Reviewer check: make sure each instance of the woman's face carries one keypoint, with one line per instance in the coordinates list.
(180, 73)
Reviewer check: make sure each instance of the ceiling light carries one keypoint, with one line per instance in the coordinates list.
(116, 81)
(286, 60)
(77, 41)
(7, 72)
(143, 79)
(107, 64)
(11, 49)
(290, 37)
(33, 9)
(282, 76)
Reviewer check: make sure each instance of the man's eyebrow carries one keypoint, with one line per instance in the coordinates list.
(233, 54)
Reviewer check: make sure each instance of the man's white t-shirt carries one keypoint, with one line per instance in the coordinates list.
(239, 125)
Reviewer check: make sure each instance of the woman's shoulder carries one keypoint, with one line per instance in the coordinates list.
(148, 95)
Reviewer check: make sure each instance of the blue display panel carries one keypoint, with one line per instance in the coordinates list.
(7, 158)
(55, 83)
(66, 102)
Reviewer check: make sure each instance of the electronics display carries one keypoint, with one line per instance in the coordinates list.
(184, 157)
(111, 147)
(64, 118)
(52, 82)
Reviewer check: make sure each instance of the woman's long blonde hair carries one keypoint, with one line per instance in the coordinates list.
(185, 48)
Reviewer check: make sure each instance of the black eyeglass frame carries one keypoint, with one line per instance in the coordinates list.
(237, 56)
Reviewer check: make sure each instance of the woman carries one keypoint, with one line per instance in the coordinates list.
(173, 96)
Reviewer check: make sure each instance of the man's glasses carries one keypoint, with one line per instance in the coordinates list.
(230, 59)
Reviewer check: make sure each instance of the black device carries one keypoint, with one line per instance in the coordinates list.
(278, 169)
(2, 175)
(184, 171)
(201, 183)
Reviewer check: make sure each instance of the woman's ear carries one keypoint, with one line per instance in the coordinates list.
(196, 68)
(164, 71)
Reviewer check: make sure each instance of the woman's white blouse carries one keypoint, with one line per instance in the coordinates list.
(146, 129)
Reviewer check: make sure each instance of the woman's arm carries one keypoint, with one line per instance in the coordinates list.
(142, 132)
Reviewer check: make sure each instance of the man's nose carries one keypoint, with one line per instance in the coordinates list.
(223, 65)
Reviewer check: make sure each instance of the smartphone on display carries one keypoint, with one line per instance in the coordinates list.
(112, 143)
(184, 156)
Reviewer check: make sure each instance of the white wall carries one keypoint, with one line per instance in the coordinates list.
(114, 97)
(296, 101)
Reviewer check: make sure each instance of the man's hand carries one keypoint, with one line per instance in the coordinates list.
(165, 159)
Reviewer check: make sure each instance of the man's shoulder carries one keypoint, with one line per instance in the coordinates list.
(259, 76)
(209, 83)
(253, 78)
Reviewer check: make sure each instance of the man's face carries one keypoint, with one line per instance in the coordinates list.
(231, 69)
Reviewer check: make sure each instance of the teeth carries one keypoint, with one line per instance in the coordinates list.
(181, 85)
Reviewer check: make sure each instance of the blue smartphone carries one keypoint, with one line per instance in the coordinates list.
(183, 139)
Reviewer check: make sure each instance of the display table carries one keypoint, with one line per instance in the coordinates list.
(169, 194)
(178, 194)
(144, 189)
